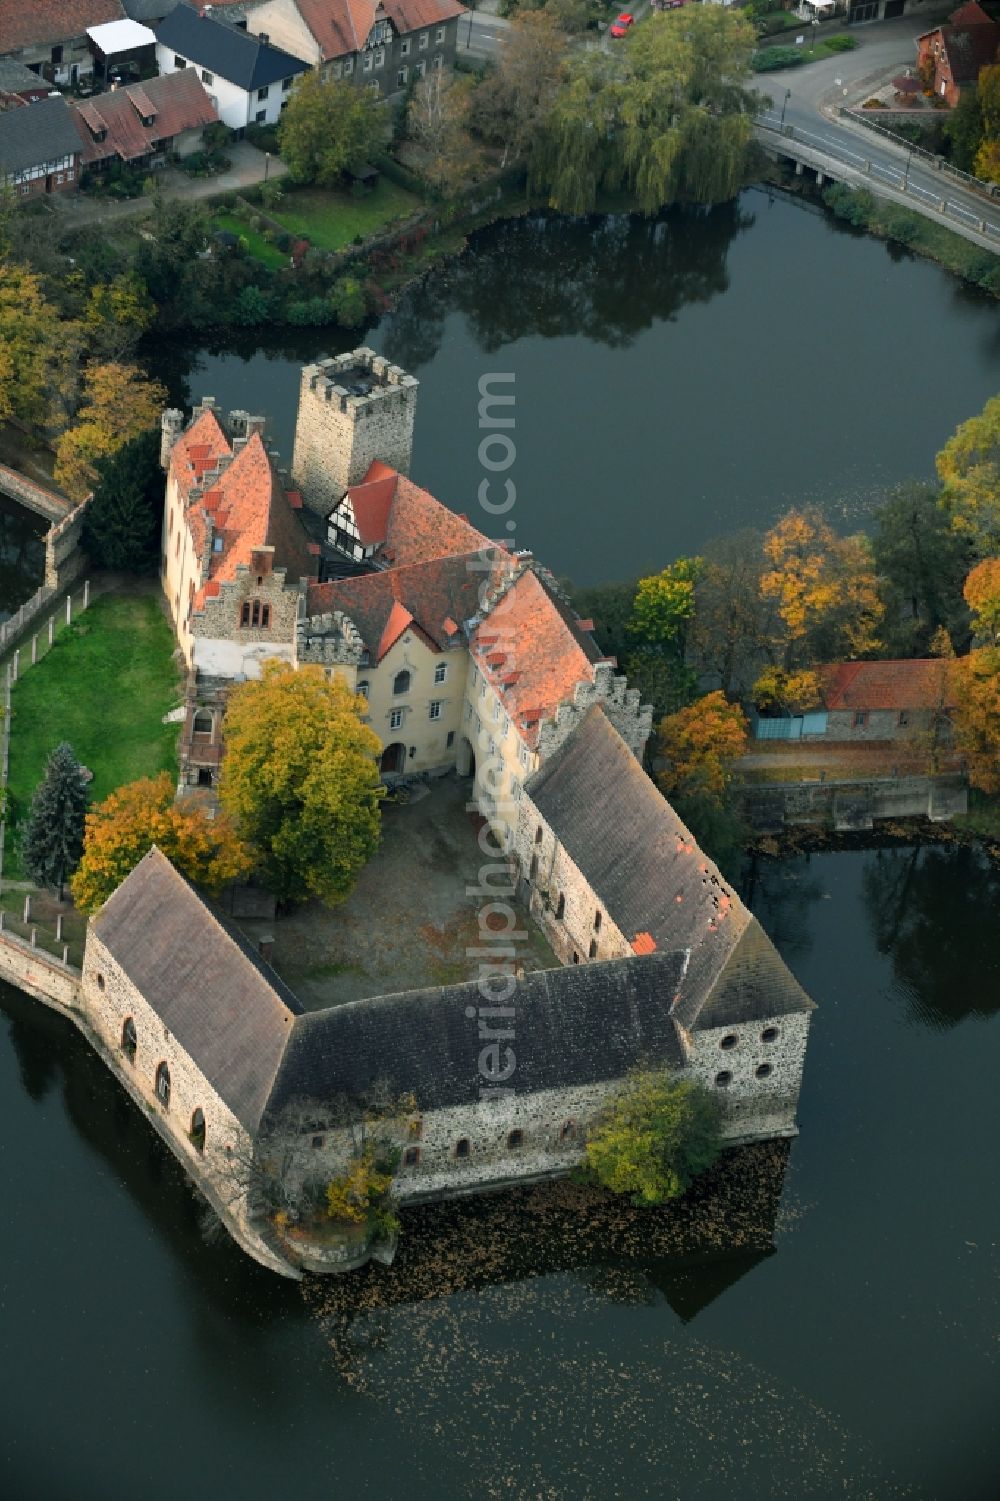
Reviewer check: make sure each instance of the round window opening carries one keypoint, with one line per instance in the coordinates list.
(729, 1041)
(769, 1034)
(763, 1071)
(723, 1079)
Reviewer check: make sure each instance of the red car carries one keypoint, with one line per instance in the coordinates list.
(621, 25)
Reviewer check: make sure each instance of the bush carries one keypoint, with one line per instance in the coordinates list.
(856, 206)
(397, 173)
(314, 312)
(347, 302)
(840, 43)
(773, 58)
(874, 103)
(654, 1138)
(252, 307)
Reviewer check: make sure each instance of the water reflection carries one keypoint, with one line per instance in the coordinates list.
(934, 913)
(782, 894)
(603, 278)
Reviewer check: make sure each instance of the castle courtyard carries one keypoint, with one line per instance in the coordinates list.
(409, 923)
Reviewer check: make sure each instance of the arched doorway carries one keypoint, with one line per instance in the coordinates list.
(465, 759)
(393, 758)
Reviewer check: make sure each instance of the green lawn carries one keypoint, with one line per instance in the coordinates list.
(104, 687)
(258, 246)
(332, 220)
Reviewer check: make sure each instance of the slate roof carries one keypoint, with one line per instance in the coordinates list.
(921, 683)
(410, 523)
(238, 56)
(178, 99)
(227, 1009)
(36, 23)
(534, 650)
(580, 1024)
(644, 866)
(432, 595)
(342, 26)
(16, 78)
(37, 133)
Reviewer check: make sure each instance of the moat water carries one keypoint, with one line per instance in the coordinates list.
(671, 384)
(860, 1359)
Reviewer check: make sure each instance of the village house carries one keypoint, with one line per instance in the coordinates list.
(382, 45)
(141, 122)
(18, 85)
(50, 36)
(248, 80)
(949, 57)
(870, 701)
(40, 150)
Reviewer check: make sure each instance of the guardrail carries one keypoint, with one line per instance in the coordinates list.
(894, 177)
(935, 163)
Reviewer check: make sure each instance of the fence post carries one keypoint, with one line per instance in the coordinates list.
(34, 650)
(86, 593)
(16, 663)
(66, 954)
(59, 923)
(34, 938)
(27, 909)
(69, 609)
(52, 626)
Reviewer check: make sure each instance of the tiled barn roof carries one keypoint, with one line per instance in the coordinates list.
(409, 523)
(643, 864)
(31, 23)
(577, 1025)
(178, 101)
(918, 684)
(227, 1009)
(342, 26)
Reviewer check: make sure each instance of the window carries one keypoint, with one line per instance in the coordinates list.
(763, 1069)
(860, 718)
(202, 723)
(576, 957)
(286, 84)
(260, 117)
(506, 726)
(401, 77)
(255, 613)
(334, 70)
(425, 37)
(263, 93)
(568, 1131)
(317, 1143)
(434, 709)
(206, 76)
(451, 737)
(904, 719)
(439, 36)
(723, 1079)
(440, 672)
(437, 61)
(265, 616)
(57, 56)
(533, 868)
(363, 687)
(769, 1034)
(592, 951)
(129, 1040)
(245, 613)
(404, 47)
(180, 62)
(561, 905)
(197, 1132)
(395, 718)
(597, 922)
(515, 1140)
(367, 64)
(420, 69)
(462, 1147)
(348, 67)
(163, 1085)
(729, 1041)
(380, 57)
(100, 981)
(411, 1157)
(523, 755)
(401, 682)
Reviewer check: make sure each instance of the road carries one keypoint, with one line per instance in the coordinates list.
(481, 34)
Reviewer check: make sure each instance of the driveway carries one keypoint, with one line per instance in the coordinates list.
(248, 166)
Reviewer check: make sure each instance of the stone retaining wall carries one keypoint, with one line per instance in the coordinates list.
(853, 806)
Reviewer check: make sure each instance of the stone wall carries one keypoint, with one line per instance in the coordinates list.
(756, 1070)
(552, 880)
(880, 724)
(853, 805)
(339, 434)
(38, 973)
(220, 617)
(65, 559)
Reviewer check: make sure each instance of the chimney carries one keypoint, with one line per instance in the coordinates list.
(265, 945)
(263, 36)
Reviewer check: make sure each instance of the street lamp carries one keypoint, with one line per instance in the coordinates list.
(906, 169)
(784, 106)
(468, 39)
(267, 164)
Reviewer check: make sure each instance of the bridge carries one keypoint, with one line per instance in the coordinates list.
(908, 177)
(48, 504)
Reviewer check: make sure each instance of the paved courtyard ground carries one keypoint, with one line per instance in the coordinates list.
(410, 921)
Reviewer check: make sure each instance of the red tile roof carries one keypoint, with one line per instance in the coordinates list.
(432, 594)
(543, 655)
(28, 23)
(342, 26)
(917, 684)
(177, 101)
(411, 524)
(196, 450)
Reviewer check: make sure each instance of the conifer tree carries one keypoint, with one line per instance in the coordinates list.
(52, 841)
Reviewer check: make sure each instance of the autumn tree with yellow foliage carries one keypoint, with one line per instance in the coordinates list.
(982, 595)
(119, 404)
(41, 351)
(787, 692)
(301, 779)
(824, 587)
(968, 467)
(974, 690)
(122, 829)
(700, 746)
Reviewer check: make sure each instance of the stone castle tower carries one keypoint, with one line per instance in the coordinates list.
(352, 410)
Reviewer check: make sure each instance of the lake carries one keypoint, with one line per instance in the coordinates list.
(861, 1359)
